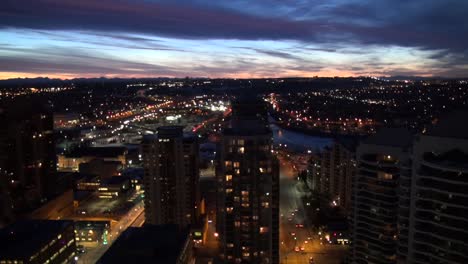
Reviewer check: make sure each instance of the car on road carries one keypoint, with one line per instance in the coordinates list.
(302, 248)
(311, 260)
(297, 249)
(293, 234)
(80, 249)
(299, 225)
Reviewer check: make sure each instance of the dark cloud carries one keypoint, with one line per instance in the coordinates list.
(148, 18)
(434, 25)
(420, 23)
(273, 53)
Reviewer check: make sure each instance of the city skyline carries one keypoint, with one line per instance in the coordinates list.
(208, 132)
(239, 39)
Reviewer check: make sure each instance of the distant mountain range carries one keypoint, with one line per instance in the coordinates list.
(41, 81)
(416, 78)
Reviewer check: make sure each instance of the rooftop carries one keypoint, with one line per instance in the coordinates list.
(97, 152)
(170, 131)
(148, 244)
(115, 180)
(25, 238)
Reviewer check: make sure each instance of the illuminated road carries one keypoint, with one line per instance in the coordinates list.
(133, 216)
(140, 220)
(209, 250)
(292, 212)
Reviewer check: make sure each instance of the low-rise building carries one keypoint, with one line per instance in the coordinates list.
(114, 187)
(71, 160)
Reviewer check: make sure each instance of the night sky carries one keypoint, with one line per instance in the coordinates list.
(233, 38)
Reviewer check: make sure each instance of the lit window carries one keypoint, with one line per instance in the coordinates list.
(265, 204)
(230, 245)
(237, 224)
(263, 229)
(229, 209)
(228, 177)
(384, 176)
(229, 190)
(388, 158)
(236, 164)
(241, 150)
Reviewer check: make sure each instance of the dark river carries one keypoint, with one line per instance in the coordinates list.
(297, 141)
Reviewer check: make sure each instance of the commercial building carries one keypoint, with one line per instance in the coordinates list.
(38, 241)
(162, 244)
(439, 198)
(71, 160)
(105, 169)
(374, 221)
(114, 187)
(86, 182)
(248, 187)
(170, 162)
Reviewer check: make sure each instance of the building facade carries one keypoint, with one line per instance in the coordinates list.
(439, 199)
(248, 187)
(374, 220)
(330, 174)
(171, 178)
(409, 197)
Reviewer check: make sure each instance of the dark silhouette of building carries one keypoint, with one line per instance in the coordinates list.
(38, 241)
(248, 187)
(27, 157)
(162, 244)
(171, 177)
